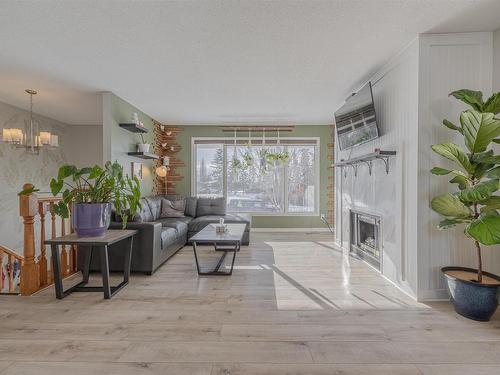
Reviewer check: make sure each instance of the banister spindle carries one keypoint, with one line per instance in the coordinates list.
(30, 280)
(10, 273)
(1, 271)
(42, 260)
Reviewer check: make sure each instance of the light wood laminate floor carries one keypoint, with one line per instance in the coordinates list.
(294, 305)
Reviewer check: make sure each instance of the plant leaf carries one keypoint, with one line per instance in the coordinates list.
(453, 152)
(485, 229)
(440, 171)
(448, 223)
(492, 105)
(493, 173)
(451, 126)
(497, 140)
(66, 171)
(449, 205)
(28, 191)
(61, 209)
(478, 192)
(463, 182)
(479, 129)
(470, 97)
(56, 186)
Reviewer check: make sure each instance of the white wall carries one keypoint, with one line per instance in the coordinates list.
(395, 90)
(496, 61)
(447, 62)
(411, 100)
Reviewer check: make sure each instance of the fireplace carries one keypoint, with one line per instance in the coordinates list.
(365, 238)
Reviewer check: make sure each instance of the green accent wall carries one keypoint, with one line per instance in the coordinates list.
(324, 132)
(118, 141)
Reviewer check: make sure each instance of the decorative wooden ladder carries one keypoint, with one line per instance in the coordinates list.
(35, 271)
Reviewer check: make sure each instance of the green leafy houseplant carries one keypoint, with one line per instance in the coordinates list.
(95, 185)
(476, 202)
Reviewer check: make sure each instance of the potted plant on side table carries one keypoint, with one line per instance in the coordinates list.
(475, 204)
(91, 192)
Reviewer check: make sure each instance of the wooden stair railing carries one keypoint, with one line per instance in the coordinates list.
(12, 256)
(35, 271)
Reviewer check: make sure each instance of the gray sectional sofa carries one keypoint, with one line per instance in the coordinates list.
(160, 238)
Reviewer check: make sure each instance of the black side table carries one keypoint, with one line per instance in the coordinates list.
(89, 243)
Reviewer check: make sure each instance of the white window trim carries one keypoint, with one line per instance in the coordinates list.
(317, 160)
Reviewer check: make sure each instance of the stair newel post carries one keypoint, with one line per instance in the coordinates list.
(42, 260)
(30, 275)
(53, 232)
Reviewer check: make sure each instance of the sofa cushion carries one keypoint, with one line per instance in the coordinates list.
(172, 208)
(168, 236)
(154, 204)
(201, 222)
(191, 205)
(180, 225)
(211, 206)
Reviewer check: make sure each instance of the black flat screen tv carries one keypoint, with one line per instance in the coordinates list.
(355, 120)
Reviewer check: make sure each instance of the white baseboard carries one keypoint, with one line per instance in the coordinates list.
(289, 230)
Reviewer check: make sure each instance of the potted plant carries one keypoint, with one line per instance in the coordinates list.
(143, 147)
(475, 204)
(278, 158)
(90, 192)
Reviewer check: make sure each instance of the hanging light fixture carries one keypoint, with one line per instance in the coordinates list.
(31, 139)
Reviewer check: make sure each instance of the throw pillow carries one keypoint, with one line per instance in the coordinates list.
(172, 208)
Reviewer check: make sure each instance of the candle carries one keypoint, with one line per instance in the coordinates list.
(54, 140)
(45, 138)
(7, 135)
(17, 136)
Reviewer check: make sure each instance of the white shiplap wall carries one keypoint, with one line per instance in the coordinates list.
(447, 62)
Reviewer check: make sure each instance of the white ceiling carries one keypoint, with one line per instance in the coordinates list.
(212, 62)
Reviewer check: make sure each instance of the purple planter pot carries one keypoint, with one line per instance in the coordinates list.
(91, 219)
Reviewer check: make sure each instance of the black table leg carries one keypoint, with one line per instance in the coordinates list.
(128, 261)
(105, 272)
(56, 265)
(215, 271)
(86, 264)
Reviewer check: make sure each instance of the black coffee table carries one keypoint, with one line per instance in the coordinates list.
(87, 244)
(226, 242)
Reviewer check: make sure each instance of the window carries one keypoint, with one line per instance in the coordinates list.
(209, 170)
(263, 179)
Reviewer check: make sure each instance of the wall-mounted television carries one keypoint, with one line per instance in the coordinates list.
(355, 120)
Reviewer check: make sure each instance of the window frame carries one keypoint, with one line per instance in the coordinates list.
(316, 141)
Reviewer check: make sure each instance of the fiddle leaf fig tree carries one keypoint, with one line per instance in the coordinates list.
(476, 173)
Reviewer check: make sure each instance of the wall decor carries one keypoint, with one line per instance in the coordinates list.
(166, 146)
(137, 170)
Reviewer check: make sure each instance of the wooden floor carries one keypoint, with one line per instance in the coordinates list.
(294, 305)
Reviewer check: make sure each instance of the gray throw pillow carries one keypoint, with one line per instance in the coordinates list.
(172, 208)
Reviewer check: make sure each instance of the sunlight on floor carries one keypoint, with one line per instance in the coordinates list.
(317, 276)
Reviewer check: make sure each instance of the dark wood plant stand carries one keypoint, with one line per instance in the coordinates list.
(88, 244)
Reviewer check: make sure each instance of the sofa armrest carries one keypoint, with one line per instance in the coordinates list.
(147, 242)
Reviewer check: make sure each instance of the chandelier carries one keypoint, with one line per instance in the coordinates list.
(31, 139)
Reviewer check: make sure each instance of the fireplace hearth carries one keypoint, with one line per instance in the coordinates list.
(365, 237)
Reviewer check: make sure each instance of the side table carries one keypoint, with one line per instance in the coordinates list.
(90, 243)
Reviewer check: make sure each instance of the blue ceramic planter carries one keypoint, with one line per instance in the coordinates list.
(470, 299)
(91, 219)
